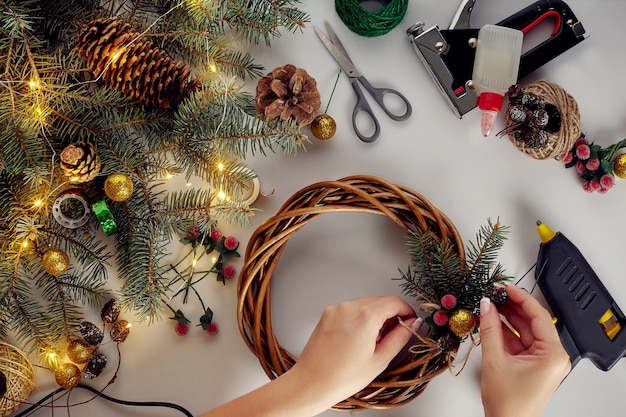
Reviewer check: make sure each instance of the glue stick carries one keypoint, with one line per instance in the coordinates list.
(496, 67)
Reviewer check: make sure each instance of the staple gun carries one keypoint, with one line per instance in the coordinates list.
(589, 321)
(448, 54)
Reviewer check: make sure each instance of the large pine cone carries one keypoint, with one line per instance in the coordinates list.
(80, 162)
(287, 92)
(129, 63)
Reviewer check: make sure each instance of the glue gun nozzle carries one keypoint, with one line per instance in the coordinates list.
(545, 233)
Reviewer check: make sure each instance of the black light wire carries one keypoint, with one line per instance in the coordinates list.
(100, 394)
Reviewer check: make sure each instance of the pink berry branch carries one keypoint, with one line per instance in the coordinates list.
(203, 241)
(594, 164)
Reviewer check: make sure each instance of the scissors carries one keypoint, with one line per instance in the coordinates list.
(338, 52)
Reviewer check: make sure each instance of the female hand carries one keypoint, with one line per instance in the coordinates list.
(348, 348)
(519, 373)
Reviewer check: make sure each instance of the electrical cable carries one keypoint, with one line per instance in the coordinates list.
(108, 398)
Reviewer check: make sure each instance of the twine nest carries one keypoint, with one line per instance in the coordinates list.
(19, 376)
(364, 194)
(558, 143)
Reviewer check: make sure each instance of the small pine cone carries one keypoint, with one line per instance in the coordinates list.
(539, 118)
(95, 366)
(287, 92)
(517, 113)
(91, 333)
(448, 342)
(515, 92)
(111, 311)
(80, 162)
(120, 331)
(554, 118)
(497, 295)
(131, 64)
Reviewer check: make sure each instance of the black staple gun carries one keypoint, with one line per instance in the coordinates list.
(589, 321)
(448, 54)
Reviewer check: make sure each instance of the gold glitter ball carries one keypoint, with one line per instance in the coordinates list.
(118, 187)
(55, 262)
(462, 322)
(79, 351)
(67, 375)
(323, 127)
(619, 166)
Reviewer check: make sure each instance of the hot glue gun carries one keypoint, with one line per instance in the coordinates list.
(589, 321)
(448, 54)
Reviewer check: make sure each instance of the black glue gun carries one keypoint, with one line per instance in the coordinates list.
(589, 321)
(448, 54)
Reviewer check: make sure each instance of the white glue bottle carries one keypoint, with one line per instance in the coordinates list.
(496, 66)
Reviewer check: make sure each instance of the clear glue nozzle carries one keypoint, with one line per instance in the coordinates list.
(490, 105)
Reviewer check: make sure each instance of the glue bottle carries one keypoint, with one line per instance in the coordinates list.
(496, 67)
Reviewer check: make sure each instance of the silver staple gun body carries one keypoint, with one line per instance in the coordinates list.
(448, 54)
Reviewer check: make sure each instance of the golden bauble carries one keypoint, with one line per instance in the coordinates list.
(118, 187)
(67, 375)
(79, 351)
(55, 262)
(619, 166)
(462, 322)
(323, 127)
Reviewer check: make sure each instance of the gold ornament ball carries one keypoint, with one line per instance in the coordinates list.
(118, 187)
(619, 166)
(67, 375)
(323, 127)
(462, 322)
(79, 351)
(55, 262)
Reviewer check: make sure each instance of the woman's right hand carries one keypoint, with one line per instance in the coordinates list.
(519, 372)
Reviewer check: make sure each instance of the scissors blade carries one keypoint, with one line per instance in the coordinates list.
(339, 55)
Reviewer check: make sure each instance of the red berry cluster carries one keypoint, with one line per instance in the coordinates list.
(212, 240)
(441, 317)
(206, 322)
(593, 164)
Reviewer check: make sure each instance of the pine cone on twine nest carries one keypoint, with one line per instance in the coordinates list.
(133, 65)
(287, 92)
(555, 144)
(407, 378)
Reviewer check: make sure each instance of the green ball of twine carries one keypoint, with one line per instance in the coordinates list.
(371, 24)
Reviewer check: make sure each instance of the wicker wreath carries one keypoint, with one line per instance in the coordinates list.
(364, 194)
(18, 378)
(558, 143)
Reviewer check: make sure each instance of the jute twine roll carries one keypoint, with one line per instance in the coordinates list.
(19, 375)
(559, 143)
(374, 23)
(409, 210)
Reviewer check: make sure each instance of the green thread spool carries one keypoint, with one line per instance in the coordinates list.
(371, 23)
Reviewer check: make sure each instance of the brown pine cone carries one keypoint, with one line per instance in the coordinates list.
(287, 92)
(80, 162)
(130, 63)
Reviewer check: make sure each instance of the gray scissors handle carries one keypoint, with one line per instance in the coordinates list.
(363, 106)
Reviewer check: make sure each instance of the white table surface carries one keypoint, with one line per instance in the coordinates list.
(344, 256)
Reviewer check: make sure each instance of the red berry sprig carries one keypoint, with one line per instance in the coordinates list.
(594, 164)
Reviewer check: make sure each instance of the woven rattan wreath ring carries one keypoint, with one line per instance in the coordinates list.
(363, 194)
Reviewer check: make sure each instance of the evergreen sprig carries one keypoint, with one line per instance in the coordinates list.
(49, 100)
(436, 269)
